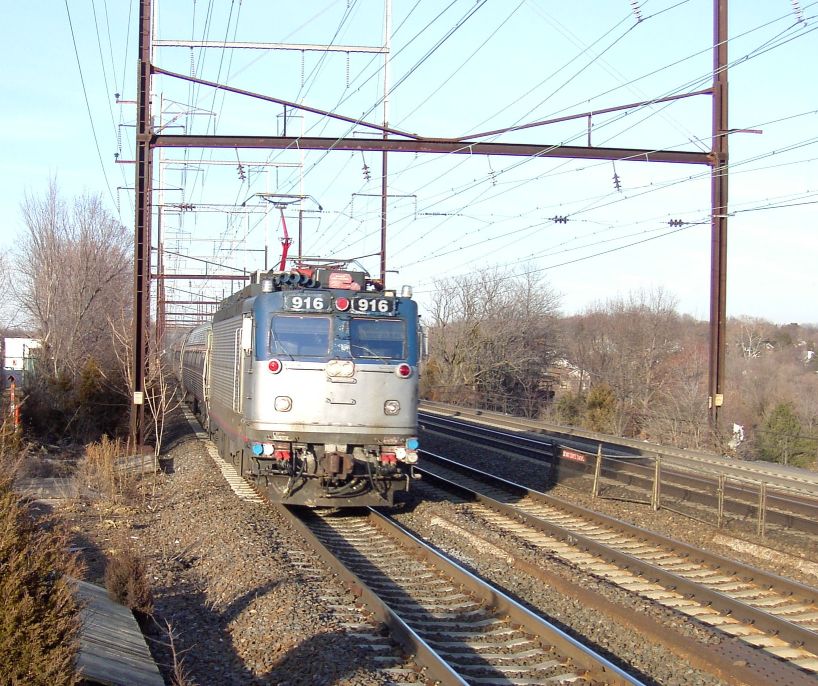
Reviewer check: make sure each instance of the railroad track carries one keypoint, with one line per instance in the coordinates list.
(459, 627)
(776, 615)
(693, 494)
(774, 474)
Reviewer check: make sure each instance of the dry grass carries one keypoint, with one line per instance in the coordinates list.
(127, 582)
(97, 470)
(10, 441)
(39, 616)
(180, 676)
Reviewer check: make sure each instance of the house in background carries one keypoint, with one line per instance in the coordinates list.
(18, 359)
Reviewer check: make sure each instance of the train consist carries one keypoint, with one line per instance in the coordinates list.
(308, 383)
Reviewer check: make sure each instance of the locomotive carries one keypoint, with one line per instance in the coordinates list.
(307, 381)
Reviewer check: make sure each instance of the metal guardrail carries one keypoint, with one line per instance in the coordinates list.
(573, 454)
(709, 460)
(667, 484)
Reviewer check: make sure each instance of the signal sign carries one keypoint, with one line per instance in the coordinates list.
(573, 455)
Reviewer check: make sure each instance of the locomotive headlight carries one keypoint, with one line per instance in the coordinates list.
(391, 407)
(283, 403)
(340, 368)
(268, 449)
(411, 457)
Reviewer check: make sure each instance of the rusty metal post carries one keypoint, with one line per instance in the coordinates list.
(160, 270)
(142, 225)
(597, 472)
(657, 485)
(14, 407)
(383, 217)
(720, 494)
(762, 509)
(387, 44)
(718, 239)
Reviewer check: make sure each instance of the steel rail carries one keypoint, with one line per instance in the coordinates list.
(596, 668)
(437, 668)
(787, 506)
(791, 477)
(734, 661)
(765, 621)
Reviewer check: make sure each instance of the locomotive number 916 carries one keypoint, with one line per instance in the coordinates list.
(308, 384)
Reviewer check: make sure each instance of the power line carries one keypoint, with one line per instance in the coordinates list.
(88, 106)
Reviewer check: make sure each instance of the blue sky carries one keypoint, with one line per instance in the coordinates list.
(456, 68)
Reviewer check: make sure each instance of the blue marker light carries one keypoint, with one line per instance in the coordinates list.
(258, 448)
(412, 443)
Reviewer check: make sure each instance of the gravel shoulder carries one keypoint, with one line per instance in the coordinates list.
(246, 602)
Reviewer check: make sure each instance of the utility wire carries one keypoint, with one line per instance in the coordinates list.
(88, 106)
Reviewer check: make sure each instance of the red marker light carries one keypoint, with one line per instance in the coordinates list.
(274, 366)
(342, 304)
(403, 370)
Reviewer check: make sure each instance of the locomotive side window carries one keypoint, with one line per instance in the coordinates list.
(299, 336)
(377, 338)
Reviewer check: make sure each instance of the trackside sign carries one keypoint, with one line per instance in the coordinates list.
(573, 455)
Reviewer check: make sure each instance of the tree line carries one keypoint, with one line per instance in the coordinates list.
(632, 366)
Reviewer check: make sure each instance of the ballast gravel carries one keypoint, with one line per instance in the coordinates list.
(459, 531)
(786, 555)
(245, 600)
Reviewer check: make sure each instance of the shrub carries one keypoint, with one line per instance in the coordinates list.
(127, 582)
(78, 407)
(569, 409)
(10, 438)
(781, 439)
(600, 409)
(39, 620)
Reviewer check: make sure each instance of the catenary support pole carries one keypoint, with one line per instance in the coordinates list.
(142, 224)
(718, 239)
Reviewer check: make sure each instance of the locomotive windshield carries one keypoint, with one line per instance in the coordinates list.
(378, 338)
(299, 336)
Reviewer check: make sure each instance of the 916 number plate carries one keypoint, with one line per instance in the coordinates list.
(306, 303)
(367, 305)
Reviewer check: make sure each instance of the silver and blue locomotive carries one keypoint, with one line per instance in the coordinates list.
(308, 383)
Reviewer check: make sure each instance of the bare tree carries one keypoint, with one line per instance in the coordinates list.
(751, 335)
(73, 272)
(74, 265)
(629, 344)
(678, 415)
(5, 291)
(493, 336)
